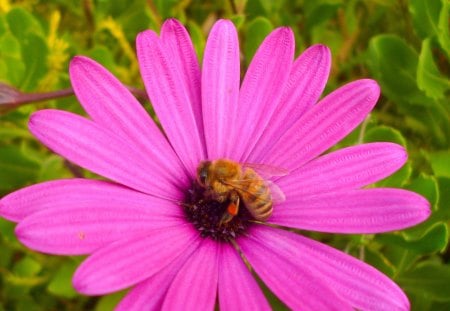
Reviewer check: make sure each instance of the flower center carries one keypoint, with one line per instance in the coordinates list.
(207, 215)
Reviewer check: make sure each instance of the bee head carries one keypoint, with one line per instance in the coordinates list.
(202, 173)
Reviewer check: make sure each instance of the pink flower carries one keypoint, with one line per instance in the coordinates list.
(136, 228)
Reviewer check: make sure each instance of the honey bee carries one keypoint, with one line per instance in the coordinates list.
(225, 180)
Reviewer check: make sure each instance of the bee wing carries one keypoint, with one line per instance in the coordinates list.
(265, 170)
(276, 193)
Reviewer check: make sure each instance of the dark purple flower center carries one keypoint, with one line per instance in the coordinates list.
(206, 213)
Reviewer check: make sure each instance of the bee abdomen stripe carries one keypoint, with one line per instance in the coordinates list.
(264, 207)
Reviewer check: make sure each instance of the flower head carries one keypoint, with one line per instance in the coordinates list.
(160, 226)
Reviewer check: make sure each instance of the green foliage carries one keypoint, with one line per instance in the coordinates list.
(257, 30)
(404, 45)
(428, 278)
(61, 284)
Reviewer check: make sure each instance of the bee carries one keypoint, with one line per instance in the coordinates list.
(225, 180)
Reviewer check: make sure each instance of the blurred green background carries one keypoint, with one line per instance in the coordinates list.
(404, 45)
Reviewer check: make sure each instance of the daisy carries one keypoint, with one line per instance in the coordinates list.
(150, 224)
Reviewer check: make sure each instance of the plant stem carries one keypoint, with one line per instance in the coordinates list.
(11, 98)
(26, 98)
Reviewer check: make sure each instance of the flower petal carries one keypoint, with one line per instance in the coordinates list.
(149, 294)
(113, 107)
(195, 286)
(354, 211)
(262, 89)
(220, 88)
(288, 278)
(87, 144)
(323, 125)
(129, 261)
(177, 41)
(238, 289)
(364, 287)
(171, 100)
(348, 168)
(81, 227)
(69, 193)
(306, 82)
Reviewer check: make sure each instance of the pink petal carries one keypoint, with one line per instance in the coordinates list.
(323, 125)
(113, 107)
(307, 79)
(87, 144)
(149, 294)
(238, 289)
(220, 88)
(70, 193)
(288, 278)
(306, 82)
(262, 89)
(348, 168)
(171, 99)
(195, 286)
(354, 211)
(80, 227)
(129, 261)
(364, 287)
(177, 41)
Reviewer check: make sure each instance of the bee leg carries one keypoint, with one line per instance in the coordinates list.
(232, 209)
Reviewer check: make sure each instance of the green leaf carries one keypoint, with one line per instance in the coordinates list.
(104, 56)
(238, 20)
(429, 79)
(15, 168)
(388, 134)
(198, 39)
(440, 163)
(377, 259)
(440, 214)
(14, 68)
(268, 5)
(435, 239)
(443, 29)
(3, 25)
(52, 168)
(420, 302)
(257, 30)
(426, 186)
(444, 197)
(7, 230)
(61, 283)
(428, 278)
(385, 133)
(7, 255)
(425, 16)
(318, 12)
(255, 8)
(133, 20)
(22, 23)
(165, 7)
(394, 64)
(107, 303)
(27, 267)
(34, 54)
(440, 306)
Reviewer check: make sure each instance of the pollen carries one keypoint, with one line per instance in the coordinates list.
(206, 213)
